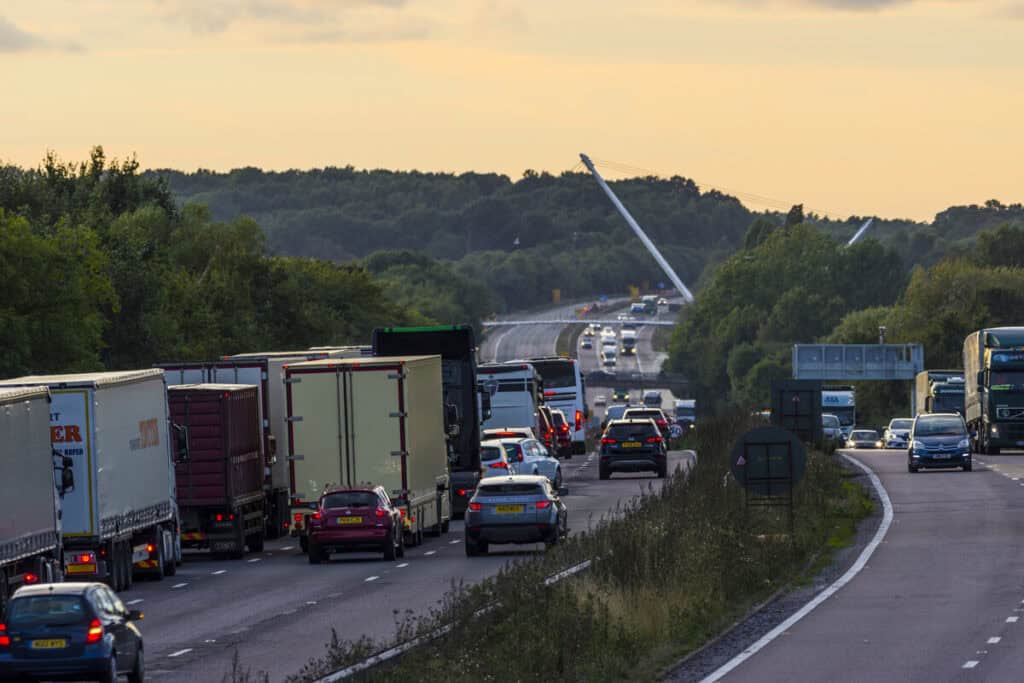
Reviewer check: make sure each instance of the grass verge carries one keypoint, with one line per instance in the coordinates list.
(673, 568)
(568, 340)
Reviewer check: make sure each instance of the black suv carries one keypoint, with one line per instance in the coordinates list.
(634, 445)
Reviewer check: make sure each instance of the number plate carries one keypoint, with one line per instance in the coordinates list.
(350, 520)
(508, 509)
(941, 456)
(631, 444)
(50, 644)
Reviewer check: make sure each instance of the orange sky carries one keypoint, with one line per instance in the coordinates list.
(898, 108)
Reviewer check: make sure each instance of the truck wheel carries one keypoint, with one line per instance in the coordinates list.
(445, 526)
(170, 567)
(115, 570)
(256, 543)
(161, 557)
(315, 554)
(304, 544)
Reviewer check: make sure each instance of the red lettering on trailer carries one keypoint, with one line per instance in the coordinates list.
(65, 434)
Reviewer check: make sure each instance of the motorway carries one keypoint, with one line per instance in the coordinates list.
(941, 599)
(277, 611)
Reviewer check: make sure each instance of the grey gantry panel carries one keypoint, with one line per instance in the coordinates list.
(852, 362)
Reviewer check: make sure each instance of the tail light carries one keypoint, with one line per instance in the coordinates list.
(543, 504)
(316, 515)
(500, 465)
(87, 558)
(606, 440)
(298, 516)
(5, 640)
(221, 517)
(579, 420)
(31, 578)
(381, 512)
(565, 429)
(150, 548)
(95, 632)
(461, 492)
(401, 512)
(476, 507)
(654, 439)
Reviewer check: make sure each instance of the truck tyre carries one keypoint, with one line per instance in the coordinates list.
(161, 557)
(390, 552)
(445, 526)
(314, 552)
(170, 567)
(114, 568)
(256, 542)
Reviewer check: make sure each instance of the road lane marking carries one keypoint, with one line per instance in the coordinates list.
(430, 552)
(970, 664)
(179, 585)
(370, 578)
(288, 547)
(255, 559)
(821, 597)
(219, 572)
(135, 601)
(180, 652)
(1012, 620)
(404, 564)
(994, 639)
(458, 541)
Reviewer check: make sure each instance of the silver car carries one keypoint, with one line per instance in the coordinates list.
(516, 509)
(529, 456)
(494, 460)
(897, 434)
(831, 429)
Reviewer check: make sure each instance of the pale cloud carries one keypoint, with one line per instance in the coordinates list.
(1012, 11)
(500, 16)
(206, 17)
(14, 39)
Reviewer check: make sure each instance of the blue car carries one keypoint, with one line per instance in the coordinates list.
(939, 440)
(521, 508)
(71, 632)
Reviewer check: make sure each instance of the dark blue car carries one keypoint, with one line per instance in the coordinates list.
(70, 632)
(939, 440)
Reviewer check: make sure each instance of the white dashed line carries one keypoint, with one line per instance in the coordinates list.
(288, 547)
(404, 564)
(135, 601)
(219, 572)
(970, 664)
(371, 578)
(1012, 620)
(255, 559)
(430, 552)
(179, 585)
(994, 639)
(458, 541)
(180, 652)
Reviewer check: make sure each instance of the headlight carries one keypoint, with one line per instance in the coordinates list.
(917, 445)
(995, 430)
(964, 443)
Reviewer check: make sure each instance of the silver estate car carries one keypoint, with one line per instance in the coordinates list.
(521, 508)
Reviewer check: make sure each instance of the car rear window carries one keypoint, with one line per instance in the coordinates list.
(512, 449)
(490, 453)
(901, 424)
(559, 419)
(631, 431)
(509, 490)
(351, 499)
(632, 413)
(47, 610)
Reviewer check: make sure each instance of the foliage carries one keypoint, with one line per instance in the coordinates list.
(654, 592)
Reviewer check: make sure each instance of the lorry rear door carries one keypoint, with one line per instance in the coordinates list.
(376, 426)
(315, 401)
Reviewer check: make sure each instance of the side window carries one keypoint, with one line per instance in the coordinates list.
(119, 607)
(104, 604)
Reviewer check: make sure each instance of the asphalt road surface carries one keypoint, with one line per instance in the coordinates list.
(941, 599)
(277, 610)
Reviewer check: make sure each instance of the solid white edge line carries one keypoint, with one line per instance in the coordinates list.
(824, 595)
(180, 652)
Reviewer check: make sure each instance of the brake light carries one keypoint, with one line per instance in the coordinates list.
(476, 507)
(462, 492)
(543, 504)
(31, 578)
(218, 517)
(402, 512)
(85, 559)
(5, 640)
(150, 548)
(381, 512)
(565, 429)
(316, 515)
(500, 465)
(298, 516)
(579, 420)
(95, 632)
(549, 393)
(605, 439)
(654, 439)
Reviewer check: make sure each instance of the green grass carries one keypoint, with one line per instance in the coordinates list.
(674, 568)
(568, 340)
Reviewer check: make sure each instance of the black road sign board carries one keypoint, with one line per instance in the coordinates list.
(768, 461)
(796, 406)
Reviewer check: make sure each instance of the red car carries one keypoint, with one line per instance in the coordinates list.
(563, 434)
(546, 428)
(355, 518)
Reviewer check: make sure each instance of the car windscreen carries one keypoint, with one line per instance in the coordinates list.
(351, 499)
(629, 432)
(47, 610)
(940, 426)
(830, 421)
(509, 490)
(490, 453)
(901, 424)
(862, 435)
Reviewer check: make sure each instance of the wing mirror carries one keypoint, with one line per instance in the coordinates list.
(67, 474)
(135, 615)
(181, 451)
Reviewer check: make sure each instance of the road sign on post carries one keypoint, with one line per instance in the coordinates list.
(768, 462)
(796, 406)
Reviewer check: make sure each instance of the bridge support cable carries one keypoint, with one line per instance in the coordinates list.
(665, 267)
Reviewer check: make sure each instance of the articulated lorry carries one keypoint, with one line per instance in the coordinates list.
(369, 421)
(939, 391)
(841, 401)
(220, 485)
(30, 528)
(263, 370)
(121, 517)
(994, 388)
(465, 406)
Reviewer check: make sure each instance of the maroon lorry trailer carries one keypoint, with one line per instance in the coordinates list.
(220, 486)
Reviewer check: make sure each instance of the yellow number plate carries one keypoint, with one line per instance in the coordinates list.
(350, 520)
(507, 509)
(52, 644)
(631, 444)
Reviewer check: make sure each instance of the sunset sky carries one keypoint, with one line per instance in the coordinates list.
(895, 108)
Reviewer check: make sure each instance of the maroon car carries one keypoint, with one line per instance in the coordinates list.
(563, 433)
(355, 518)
